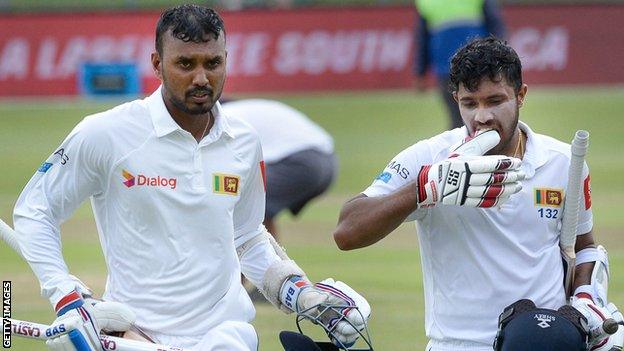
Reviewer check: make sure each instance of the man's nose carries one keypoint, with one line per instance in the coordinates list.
(484, 116)
(200, 78)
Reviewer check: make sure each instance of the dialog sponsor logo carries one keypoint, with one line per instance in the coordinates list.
(131, 180)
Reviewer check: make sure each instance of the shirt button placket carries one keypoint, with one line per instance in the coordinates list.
(198, 177)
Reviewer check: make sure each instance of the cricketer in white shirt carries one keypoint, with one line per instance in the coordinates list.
(487, 199)
(168, 215)
(476, 261)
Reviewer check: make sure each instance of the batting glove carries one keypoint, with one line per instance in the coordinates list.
(341, 311)
(80, 321)
(476, 181)
(599, 339)
(75, 329)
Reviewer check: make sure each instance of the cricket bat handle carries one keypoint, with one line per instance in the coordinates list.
(571, 209)
(8, 235)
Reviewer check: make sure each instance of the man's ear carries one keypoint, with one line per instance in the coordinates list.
(521, 95)
(455, 96)
(157, 64)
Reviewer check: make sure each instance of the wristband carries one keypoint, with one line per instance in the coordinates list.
(291, 289)
(70, 301)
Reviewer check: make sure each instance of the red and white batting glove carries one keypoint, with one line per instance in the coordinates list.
(475, 181)
(596, 315)
(346, 317)
(467, 178)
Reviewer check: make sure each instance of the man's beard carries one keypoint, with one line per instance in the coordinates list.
(186, 108)
(194, 110)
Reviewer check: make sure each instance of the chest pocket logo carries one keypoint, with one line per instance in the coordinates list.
(225, 184)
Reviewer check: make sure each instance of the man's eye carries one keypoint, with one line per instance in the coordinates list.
(214, 63)
(184, 64)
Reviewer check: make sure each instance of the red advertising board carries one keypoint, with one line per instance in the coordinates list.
(303, 50)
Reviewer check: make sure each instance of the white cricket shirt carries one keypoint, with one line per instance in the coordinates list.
(169, 213)
(476, 262)
(282, 129)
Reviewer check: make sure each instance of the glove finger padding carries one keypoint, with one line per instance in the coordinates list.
(493, 191)
(342, 311)
(478, 144)
(113, 316)
(485, 203)
(615, 312)
(490, 164)
(359, 301)
(496, 178)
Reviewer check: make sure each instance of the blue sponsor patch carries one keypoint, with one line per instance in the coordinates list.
(384, 177)
(44, 167)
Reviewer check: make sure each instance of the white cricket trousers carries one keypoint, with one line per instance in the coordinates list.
(227, 336)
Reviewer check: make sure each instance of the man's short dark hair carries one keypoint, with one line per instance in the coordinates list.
(485, 58)
(189, 23)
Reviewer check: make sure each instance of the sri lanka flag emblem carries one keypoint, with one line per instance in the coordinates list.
(548, 197)
(226, 184)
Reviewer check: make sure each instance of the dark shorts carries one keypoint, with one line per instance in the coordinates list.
(295, 180)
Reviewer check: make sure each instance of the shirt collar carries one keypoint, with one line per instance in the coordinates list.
(164, 123)
(220, 126)
(161, 119)
(535, 155)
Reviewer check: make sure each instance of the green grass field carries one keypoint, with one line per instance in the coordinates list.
(369, 129)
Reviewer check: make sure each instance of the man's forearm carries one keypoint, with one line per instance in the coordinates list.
(583, 272)
(365, 220)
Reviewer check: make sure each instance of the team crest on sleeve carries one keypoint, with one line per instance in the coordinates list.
(548, 197)
(226, 184)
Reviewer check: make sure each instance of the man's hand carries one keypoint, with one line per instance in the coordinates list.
(342, 311)
(75, 329)
(80, 321)
(599, 338)
(476, 181)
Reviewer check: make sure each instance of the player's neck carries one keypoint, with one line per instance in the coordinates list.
(197, 125)
(517, 146)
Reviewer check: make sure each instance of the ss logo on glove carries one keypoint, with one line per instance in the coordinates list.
(453, 178)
